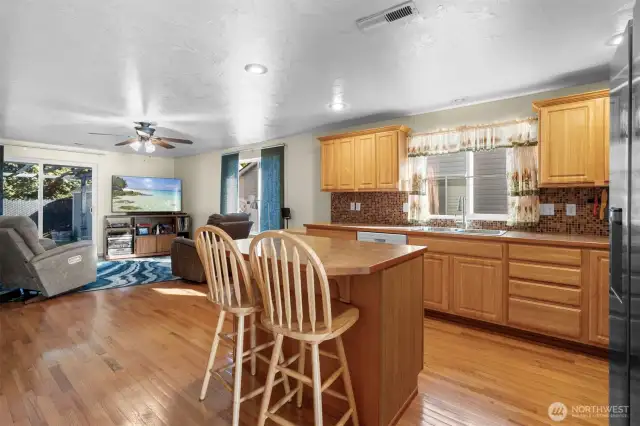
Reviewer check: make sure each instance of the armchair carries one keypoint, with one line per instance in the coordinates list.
(31, 263)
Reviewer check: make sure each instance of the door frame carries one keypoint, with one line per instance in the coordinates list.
(94, 187)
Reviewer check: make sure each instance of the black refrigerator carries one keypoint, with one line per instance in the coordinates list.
(624, 219)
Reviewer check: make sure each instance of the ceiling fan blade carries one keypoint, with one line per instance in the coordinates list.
(109, 134)
(127, 142)
(162, 144)
(174, 140)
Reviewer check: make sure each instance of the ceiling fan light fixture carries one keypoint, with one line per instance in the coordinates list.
(149, 147)
(136, 146)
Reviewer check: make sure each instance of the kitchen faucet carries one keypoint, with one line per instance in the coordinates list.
(462, 201)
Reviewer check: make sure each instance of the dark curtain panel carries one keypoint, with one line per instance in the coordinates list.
(1, 178)
(272, 196)
(229, 184)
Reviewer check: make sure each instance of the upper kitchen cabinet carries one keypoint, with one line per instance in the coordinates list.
(366, 160)
(329, 174)
(574, 140)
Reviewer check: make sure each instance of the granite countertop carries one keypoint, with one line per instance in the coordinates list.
(568, 240)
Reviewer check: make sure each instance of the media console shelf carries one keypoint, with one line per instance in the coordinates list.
(143, 235)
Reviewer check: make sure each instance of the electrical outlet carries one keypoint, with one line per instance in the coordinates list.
(571, 209)
(547, 209)
(357, 207)
(353, 206)
(405, 207)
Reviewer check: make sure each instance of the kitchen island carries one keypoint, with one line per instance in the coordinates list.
(384, 348)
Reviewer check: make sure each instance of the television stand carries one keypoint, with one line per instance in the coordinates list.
(143, 235)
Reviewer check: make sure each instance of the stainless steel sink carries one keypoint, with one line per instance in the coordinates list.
(494, 232)
(436, 229)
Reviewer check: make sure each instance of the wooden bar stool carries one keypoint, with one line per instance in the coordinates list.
(300, 324)
(231, 290)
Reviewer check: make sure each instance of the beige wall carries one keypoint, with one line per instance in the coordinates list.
(107, 164)
(201, 180)
(201, 173)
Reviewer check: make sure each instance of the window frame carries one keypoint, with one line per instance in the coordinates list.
(470, 199)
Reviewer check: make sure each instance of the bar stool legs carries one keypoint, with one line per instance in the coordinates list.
(212, 355)
(317, 385)
(266, 397)
(346, 378)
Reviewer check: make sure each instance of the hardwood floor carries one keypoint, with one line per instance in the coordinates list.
(136, 356)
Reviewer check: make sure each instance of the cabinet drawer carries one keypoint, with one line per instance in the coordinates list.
(544, 292)
(545, 273)
(544, 317)
(545, 254)
(460, 246)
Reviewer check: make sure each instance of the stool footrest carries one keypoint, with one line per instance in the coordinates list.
(324, 353)
(344, 419)
(288, 397)
(280, 420)
(259, 390)
(292, 373)
(336, 394)
(331, 379)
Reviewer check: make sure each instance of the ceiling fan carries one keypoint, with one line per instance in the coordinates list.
(145, 138)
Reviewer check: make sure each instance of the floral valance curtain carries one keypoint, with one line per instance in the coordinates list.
(522, 186)
(518, 137)
(475, 138)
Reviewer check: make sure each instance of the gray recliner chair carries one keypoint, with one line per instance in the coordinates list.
(31, 263)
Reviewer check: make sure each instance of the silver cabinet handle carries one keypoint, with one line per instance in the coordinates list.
(613, 293)
(379, 240)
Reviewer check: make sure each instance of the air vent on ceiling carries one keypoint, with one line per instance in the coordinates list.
(393, 14)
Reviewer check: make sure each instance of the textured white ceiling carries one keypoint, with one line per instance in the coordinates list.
(69, 67)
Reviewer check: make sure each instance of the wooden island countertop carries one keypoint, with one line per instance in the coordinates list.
(385, 346)
(345, 258)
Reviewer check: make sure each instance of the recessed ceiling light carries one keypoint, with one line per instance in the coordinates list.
(458, 101)
(616, 39)
(338, 106)
(255, 68)
(78, 144)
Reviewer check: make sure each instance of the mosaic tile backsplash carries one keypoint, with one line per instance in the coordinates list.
(385, 208)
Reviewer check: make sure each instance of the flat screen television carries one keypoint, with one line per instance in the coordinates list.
(132, 194)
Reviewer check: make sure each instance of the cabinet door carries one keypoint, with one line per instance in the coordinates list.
(345, 164)
(146, 245)
(329, 173)
(606, 107)
(164, 242)
(599, 297)
(568, 143)
(365, 159)
(387, 160)
(477, 288)
(436, 281)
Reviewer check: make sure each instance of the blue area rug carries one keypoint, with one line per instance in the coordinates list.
(126, 273)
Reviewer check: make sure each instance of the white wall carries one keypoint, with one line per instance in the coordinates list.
(201, 180)
(107, 164)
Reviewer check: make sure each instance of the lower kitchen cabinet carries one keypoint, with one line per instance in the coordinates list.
(599, 297)
(478, 288)
(546, 318)
(436, 281)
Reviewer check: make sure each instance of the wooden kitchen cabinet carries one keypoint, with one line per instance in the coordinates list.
(366, 160)
(599, 297)
(477, 288)
(574, 140)
(436, 281)
(329, 175)
(387, 164)
(345, 164)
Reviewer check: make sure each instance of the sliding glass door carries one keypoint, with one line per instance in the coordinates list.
(20, 189)
(57, 197)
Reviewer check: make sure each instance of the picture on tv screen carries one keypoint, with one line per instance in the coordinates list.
(130, 194)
